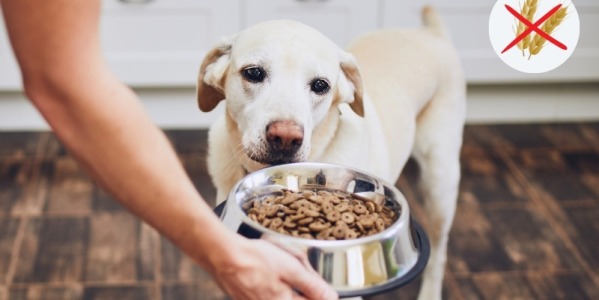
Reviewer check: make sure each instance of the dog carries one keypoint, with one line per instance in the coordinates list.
(292, 95)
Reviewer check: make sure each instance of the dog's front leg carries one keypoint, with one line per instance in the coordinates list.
(440, 176)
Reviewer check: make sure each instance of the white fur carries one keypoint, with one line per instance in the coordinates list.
(413, 103)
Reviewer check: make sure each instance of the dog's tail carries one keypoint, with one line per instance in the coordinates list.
(433, 22)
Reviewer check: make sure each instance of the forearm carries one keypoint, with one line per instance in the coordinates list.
(112, 137)
(102, 123)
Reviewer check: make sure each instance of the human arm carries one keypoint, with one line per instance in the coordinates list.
(104, 126)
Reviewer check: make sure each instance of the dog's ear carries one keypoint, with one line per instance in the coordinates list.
(211, 79)
(350, 83)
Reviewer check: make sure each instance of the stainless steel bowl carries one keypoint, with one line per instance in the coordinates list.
(360, 267)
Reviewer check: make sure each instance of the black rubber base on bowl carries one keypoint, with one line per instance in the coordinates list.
(420, 241)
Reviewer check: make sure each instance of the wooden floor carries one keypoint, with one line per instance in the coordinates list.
(527, 225)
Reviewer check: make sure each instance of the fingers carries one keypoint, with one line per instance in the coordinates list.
(306, 279)
(301, 256)
(311, 285)
(267, 271)
(298, 297)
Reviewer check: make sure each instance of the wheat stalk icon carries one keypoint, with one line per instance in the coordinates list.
(529, 8)
(534, 43)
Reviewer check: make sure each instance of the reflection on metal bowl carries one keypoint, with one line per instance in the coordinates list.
(357, 267)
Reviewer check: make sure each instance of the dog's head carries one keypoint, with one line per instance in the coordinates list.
(280, 80)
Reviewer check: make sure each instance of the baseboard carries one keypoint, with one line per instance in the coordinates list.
(491, 104)
(533, 103)
(169, 108)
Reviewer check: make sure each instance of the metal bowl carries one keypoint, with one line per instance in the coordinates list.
(359, 267)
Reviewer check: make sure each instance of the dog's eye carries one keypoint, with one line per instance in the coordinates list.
(254, 74)
(319, 86)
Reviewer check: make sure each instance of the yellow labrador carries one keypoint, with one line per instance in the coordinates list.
(293, 95)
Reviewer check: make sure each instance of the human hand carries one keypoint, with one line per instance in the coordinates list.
(259, 269)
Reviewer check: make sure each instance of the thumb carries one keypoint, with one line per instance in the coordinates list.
(309, 284)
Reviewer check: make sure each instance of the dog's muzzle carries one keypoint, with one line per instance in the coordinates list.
(284, 139)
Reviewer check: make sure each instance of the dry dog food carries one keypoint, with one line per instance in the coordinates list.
(320, 214)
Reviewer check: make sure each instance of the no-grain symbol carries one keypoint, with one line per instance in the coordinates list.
(534, 43)
(545, 29)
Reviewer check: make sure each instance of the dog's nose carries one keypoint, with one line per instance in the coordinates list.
(284, 137)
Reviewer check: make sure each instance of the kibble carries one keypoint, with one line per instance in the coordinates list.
(320, 214)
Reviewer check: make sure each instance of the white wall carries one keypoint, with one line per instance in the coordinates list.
(143, 52)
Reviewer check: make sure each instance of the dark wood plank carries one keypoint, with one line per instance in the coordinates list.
(200, 290)
(35, 190)
(525, 136)
(547, 285)
(565, 136)
(19, 144)
(508, 137)
(70, 189)
(54, 149)
(195, 166)
(148, 245)
(590, 132)
(40, 292)
(505, 239)
(14, 175)
(102, 201)
(410, 292)
(529, 240)
(178, 266)
(8, 233)
(502, 245)
(194, 282)
(189, 141)
(472, 246)
(484, 137)
(557, 174)
(136, 292)
(53, 250)
(486, 179)
(114, 249)
(522, 136)
(586, 235)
